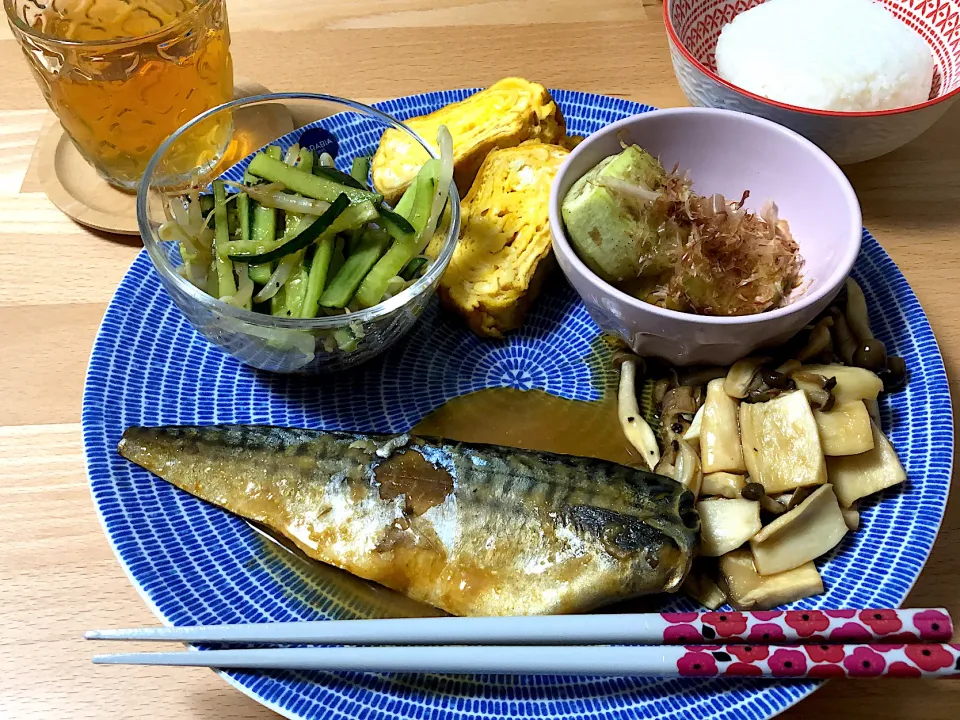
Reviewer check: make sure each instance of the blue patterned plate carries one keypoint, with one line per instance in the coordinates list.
(194, 563)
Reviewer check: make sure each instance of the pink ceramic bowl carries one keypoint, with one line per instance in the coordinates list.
(724, 152)
(693, 27)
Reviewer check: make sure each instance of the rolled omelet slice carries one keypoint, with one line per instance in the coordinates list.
(506, 114)
(504, 251)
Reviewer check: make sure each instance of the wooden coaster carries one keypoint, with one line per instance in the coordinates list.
(76, 188)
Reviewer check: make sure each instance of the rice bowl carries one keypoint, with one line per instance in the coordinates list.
(863, 60)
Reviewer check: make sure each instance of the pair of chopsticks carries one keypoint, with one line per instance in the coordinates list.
(802, 643)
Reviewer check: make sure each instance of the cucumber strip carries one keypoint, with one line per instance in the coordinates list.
(233, 218)
(274, 152)
(304, 237)
(260, 273)
(319, 188)
(397, 225)
(360, 169)
(243, 210)
(278, 303)
(344, 284)
(339, 254)
(405, 205)
(226, 284)
(350, 240)
(345, 339)
(413, 267)
(296, 290)
(307, 160)
(374, 285)
(331, 173)
(317, 278)
(263, 233)
(349, 218)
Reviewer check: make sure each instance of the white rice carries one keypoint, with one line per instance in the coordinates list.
(845, 55)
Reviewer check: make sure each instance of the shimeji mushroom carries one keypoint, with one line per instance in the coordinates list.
(808, 531)
(740, 377)
(748, 590)
(635, 427)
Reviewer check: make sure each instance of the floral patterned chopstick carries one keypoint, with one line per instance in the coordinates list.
(774, 627)
(764, 644)
(751, 661)
(925, 660)
(919, 625)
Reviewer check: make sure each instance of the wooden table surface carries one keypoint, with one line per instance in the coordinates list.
(58, 576)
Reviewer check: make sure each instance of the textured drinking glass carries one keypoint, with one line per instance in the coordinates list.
(122, 75)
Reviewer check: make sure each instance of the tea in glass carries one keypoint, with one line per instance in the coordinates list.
(123, 75)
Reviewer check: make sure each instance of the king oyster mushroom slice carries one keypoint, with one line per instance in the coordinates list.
(686, 467)
(853, 383)
(719, 432)
(851, 516)
(703, 589)
(856, 476)
(808, 531)
(845, 430)
(725, 524)
(781, 443)
(748, 590)
(724, 484)
(693, 432)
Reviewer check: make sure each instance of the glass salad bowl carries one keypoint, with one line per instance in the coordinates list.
(335, 131)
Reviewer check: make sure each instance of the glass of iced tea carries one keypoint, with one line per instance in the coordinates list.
(122, 75)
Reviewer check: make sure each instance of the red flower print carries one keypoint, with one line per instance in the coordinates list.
(882, 622)
(902, 670)
(864, 662)
(934, 625)
(739, 669)
(787, 663)
(929, 657)
(845, 614)
(749, 653)
(727, 624)
(885, 647)
(807, 622)
(825, 671)
(681, 634)
(767, 614)
(766, 633)
(687, 617)
(824, 653)
(852, 633)
(697, 664)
